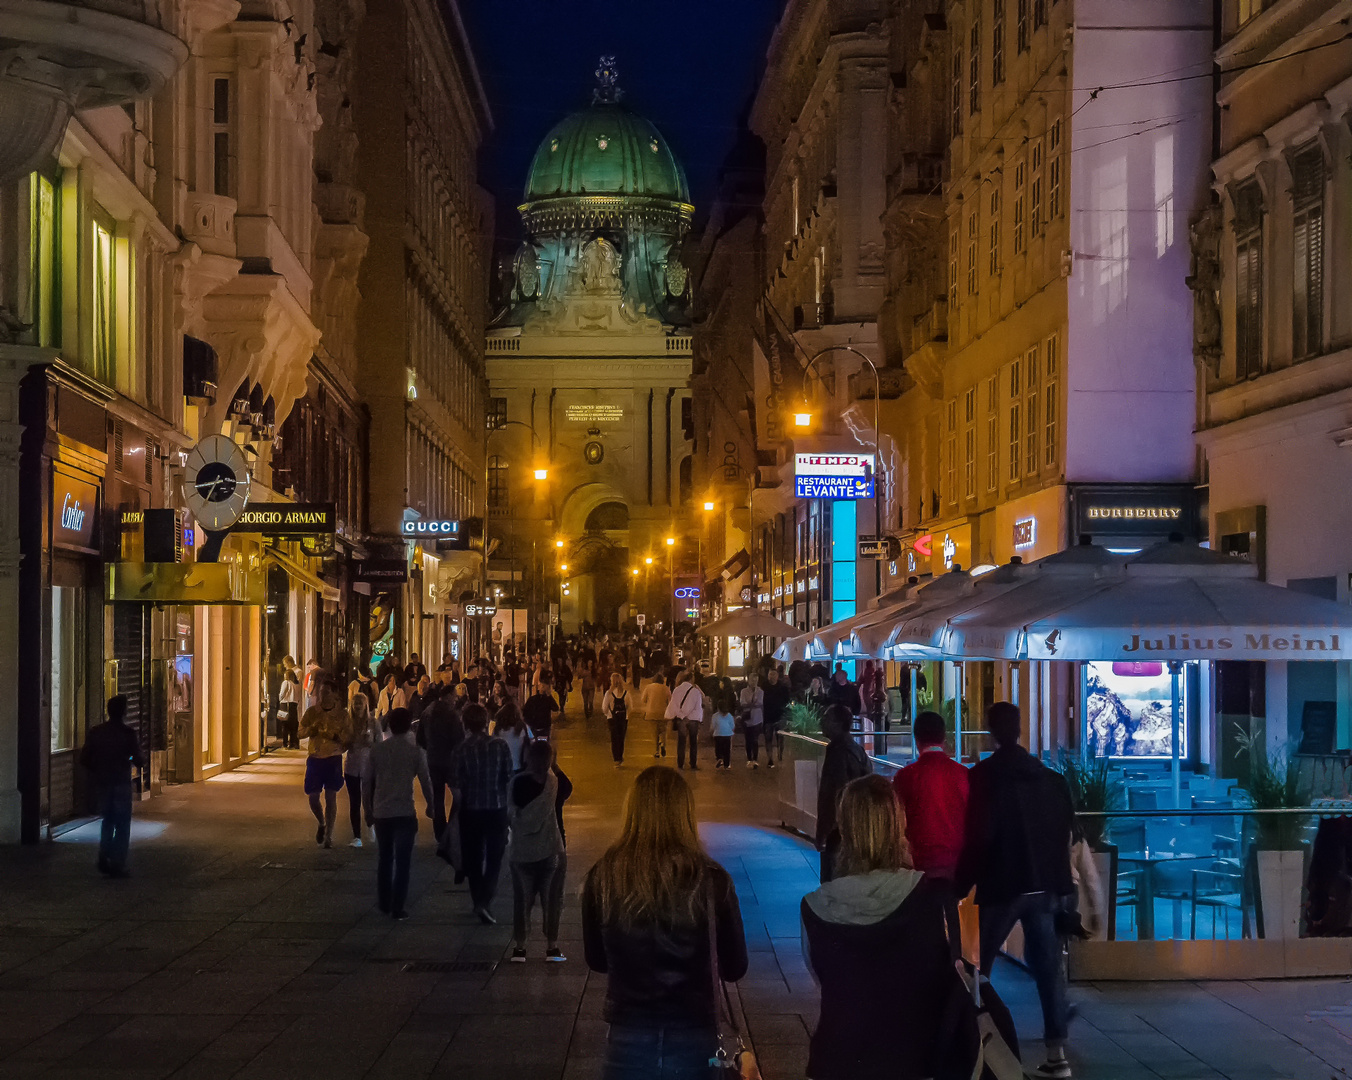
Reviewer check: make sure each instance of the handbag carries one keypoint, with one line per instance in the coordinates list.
(732, 1058)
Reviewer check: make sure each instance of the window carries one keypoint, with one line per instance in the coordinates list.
(497, 483)
(220, 121)
(1039, 13)
(974, 69)
(955, 103)
(969, 443)
(1248, 280)
(992, 432)
(1050, 401)
(1248, 9)
(105, 299)
(1035, 189)
(1020, 177)
(1164, 194)
(42, 260)
(951, 451)
(1023, 31)
(69, 655)
(1030, 432)
(993, 260)
(972, 227)
(953, 268)
(998, 43)
(1015, 414)
(1054, 171)
(1307, 298)
(497, 413)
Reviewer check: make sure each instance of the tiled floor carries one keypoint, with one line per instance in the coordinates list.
(239, 948)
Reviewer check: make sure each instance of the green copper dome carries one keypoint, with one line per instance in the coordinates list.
(605, 150)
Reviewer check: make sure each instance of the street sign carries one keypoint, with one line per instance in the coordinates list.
(642, 619)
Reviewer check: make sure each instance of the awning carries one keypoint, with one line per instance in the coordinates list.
(186, 583)
(748, 622)
(298, 571)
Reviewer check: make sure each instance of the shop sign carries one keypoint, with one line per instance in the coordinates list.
(873, 549)
(288, 519)
(833, 476)
(1136, 511)
(382, 571)
(688, 592)
(950, 548)
(482, 607)
(440, 530)
(1025, 533)
(75, 509)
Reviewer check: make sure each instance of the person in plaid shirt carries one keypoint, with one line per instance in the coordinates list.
(481, 769)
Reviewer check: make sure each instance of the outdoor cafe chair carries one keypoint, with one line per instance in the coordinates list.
(1220, 888)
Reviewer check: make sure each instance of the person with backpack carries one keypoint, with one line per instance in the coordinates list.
(615, 708)
(843, 761)
(535, 852)
(109, 752)
(876, 918)
(1016, 851)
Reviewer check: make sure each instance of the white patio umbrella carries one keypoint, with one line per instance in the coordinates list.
(749, 622)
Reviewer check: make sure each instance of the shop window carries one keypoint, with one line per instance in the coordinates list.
(105, 298)
(42, 272)
(1307, 197)
(69, 655)
(1248, 280)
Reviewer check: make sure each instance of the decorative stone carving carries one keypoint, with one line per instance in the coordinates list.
(527, 272)
(1205, 281)
(598, 269)
(677, 278)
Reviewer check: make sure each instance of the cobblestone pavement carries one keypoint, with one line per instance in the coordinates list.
(240, 948)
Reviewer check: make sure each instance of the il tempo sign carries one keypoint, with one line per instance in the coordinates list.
(833, 476)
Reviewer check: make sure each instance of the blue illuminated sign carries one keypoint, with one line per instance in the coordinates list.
(833, 476)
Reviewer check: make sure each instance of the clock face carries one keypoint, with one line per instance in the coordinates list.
(216, 482)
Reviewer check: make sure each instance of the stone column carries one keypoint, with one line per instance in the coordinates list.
(12, 368)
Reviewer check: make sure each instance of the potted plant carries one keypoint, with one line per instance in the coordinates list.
(1092, 794)
(803, 716)
(1272, 782)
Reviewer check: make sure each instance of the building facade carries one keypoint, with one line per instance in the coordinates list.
(589, 365)
(419, 117)
(1272, 272)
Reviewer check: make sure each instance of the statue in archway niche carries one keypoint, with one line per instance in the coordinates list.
(598, 268)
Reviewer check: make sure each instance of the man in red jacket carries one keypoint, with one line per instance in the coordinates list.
(933, 792)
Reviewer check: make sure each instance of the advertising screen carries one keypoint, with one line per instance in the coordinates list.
(1129, 710)
(833, 476)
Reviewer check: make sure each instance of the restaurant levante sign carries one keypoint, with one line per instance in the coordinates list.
(288, 519)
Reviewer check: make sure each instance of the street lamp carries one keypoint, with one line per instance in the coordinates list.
(804, 419)
(708, 504)
(542, 474)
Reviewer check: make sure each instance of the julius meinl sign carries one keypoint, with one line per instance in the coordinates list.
(288, 519)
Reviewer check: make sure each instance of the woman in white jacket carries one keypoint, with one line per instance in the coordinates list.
(391, 697)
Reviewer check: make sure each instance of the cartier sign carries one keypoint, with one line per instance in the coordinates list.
(75, 509)
(288, 519)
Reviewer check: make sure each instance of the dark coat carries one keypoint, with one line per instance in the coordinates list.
(845, 760)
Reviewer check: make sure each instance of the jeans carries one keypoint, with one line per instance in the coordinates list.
(723, 750)
(354, 803)
(686, 730)
(660, 737)
(529, 880)
(588, 701)
(753, 735)
(658, 1053)
(619, 728)
(288, 725)
(395, 838)
(115, 834)
(773, 741)
(440, 775)
(483, 840)
(1041, 951)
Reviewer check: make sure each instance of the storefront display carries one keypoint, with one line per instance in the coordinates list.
(1129, 710)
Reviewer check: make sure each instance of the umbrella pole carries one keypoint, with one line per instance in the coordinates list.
(1175, 667)
(957, 709)
(915, 681)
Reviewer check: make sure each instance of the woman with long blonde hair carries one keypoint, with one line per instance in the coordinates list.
(615, 708)
(646, 911)
(875, 941)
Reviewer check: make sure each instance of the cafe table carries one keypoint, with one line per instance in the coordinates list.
(1150, 860)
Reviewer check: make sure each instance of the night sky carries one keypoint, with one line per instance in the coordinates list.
(689, 66)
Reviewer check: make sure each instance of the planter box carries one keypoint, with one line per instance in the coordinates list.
(1281, 879)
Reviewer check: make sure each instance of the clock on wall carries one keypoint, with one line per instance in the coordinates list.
(216, 487)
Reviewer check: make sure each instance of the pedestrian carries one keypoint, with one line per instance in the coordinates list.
(843, 761)
(686, 711)
(391, 697)
(877, 918)
(110, 751)
(418, 696)
(327, 727)
(390, 665)
(722, 726)
(362, 683)
(510, 726)
(440, 732)
(481, 771)
(651, 906)
(563, 681)
(541, 706)
(588, 687)
(387, 791)
(365, 734)
(654, 701)
(777, 694)
(414, 671)
(1016, 851)
(310, 683)
(615, 708)
(933, 791)
(752, 701)
(288, 706)
(536, 849)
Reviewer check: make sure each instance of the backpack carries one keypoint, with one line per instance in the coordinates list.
(619, 707)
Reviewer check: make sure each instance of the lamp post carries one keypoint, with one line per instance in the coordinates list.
(541, 474)
(671, 585)
(804, 419)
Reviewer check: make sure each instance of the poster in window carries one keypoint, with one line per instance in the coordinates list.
(1129, 710)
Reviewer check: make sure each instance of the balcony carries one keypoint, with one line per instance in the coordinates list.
(929, 349)
(930, 327)
(61, 57)
(918, 174)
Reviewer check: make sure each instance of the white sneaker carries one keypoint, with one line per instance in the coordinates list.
(355, 842)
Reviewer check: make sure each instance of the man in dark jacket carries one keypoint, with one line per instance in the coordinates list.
(843, 692)
(109, 752)
(844, 761)
(778, 694)
(440, 731)
(1017, 853)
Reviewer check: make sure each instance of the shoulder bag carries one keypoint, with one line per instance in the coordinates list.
(733, 1059)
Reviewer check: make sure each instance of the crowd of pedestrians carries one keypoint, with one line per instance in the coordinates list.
(660, 918)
